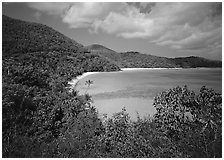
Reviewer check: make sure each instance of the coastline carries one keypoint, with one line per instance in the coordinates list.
(75, 81)
(133, 69)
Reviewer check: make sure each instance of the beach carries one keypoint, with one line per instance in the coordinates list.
(75, 81)
(134, 69)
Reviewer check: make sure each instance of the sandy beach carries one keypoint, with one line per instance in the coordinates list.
(133, 69)
(75, 81)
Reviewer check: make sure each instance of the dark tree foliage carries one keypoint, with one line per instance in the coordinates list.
(137, 60)
(124, 138)
(24, 37)
(193, 62)
(38, 111)
(192, 121)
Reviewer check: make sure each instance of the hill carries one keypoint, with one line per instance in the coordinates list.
(139, 60)
(103, 51)
(29, 42)
(97, 47)
(193, 62)
(23, 37)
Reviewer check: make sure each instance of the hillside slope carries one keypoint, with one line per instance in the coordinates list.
(23, 37)
(97, 47)
(103, 51)
(139, 60)
(33, 44)
(193, 62)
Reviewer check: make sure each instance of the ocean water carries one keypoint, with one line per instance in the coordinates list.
(136, 89)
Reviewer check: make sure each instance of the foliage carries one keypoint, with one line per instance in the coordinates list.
(67, 125)
(193, 62)
(37, 108)
(123, 138)
(192, 121)
(137, 60)
(23, 37)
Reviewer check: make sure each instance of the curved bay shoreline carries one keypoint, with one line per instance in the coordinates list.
(75, 81)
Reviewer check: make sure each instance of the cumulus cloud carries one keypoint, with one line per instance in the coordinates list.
(52, 8)
(86, 14)
(185, 26)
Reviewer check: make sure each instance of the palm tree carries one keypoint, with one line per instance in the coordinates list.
(88, 83)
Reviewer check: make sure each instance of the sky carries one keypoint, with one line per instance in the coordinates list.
(168, 29)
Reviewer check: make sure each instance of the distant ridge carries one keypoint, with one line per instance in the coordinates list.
(138, 60)
(97, 47)
(103, 51)
(193, 62)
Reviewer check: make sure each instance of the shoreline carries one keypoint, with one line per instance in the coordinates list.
(132, 69)
(75, 80)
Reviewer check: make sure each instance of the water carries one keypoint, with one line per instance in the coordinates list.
(135, 90)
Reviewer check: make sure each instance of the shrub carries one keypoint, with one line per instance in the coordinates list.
(192, 122)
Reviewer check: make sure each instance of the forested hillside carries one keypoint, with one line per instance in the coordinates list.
(193, 62)
(138, 60)
(24, 37)
(37, 63)
(48, 52)
(109, 54)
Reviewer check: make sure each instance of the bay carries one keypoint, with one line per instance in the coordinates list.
(136, 89)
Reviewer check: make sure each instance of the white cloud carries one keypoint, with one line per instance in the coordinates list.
(83, 14)
(52, 8)
(128, 23)
(185, 26)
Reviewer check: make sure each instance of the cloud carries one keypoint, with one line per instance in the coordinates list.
(127, 25)
(85, 14)
(184, 26)
(143, 6)
(52, 8)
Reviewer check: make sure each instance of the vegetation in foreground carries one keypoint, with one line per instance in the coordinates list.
(67, 125)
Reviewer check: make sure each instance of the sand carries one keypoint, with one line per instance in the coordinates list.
(134, 69)
(75, 81)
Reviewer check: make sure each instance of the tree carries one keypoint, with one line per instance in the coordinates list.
(193, 122)
(88, 83)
